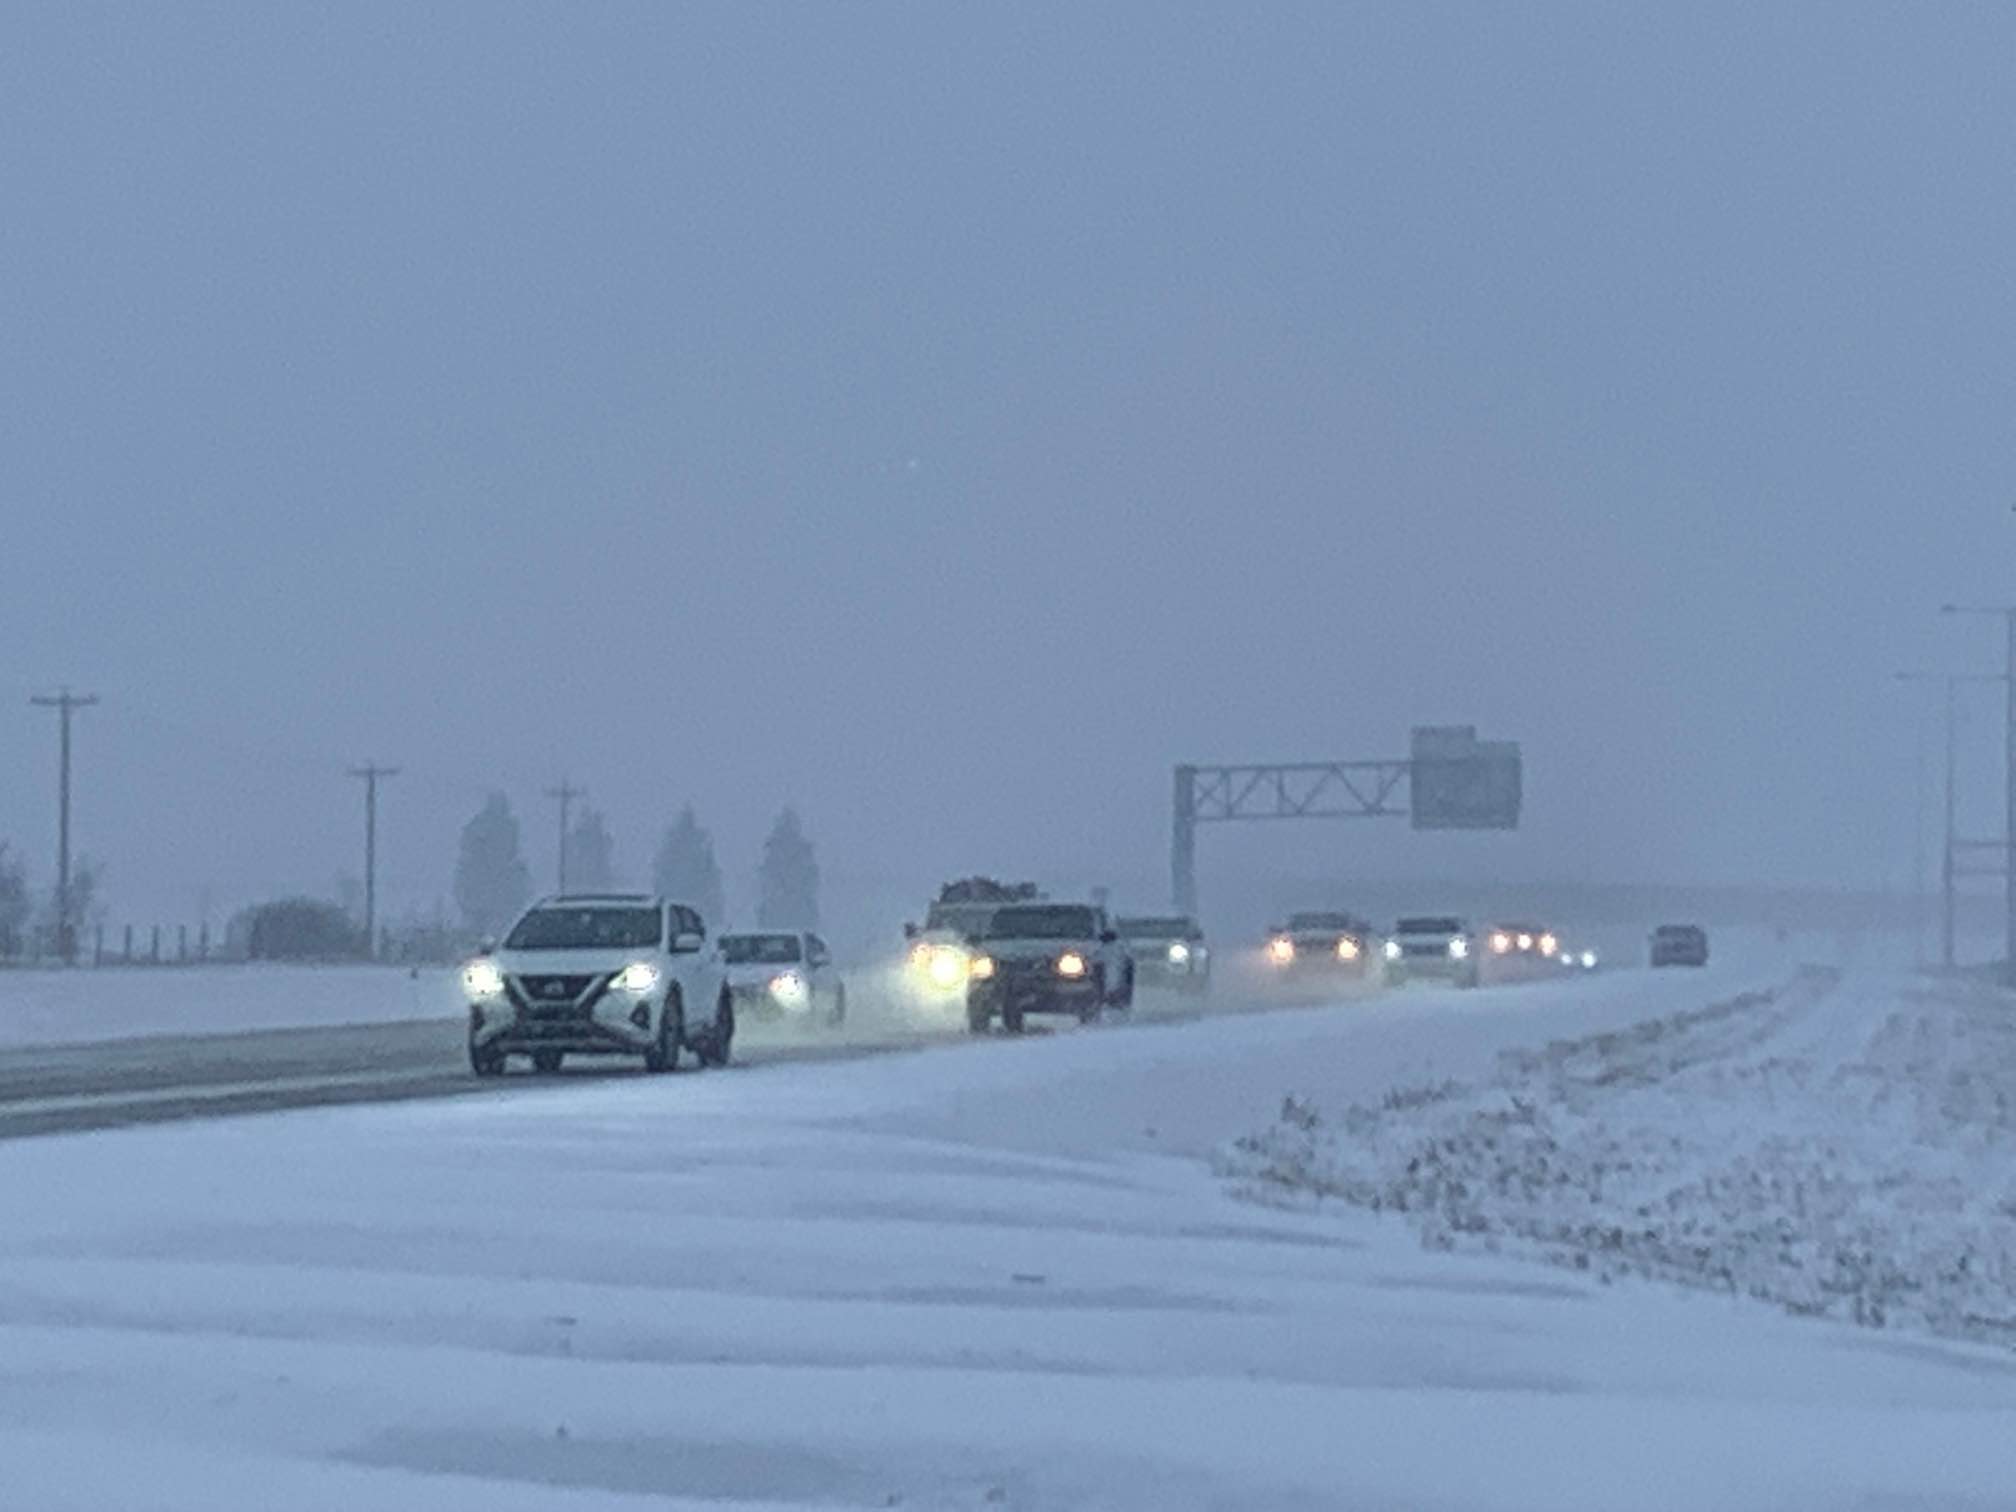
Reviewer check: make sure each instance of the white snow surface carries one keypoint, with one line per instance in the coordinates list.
(997, 1275)
(51, 1007)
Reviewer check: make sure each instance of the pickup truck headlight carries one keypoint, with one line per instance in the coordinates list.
(1459, 948)
(1071, 965)
(638, 976)
(1393, 950)
(982, 969)
(946, 966)
(1179, 954)
(1281, 950)
(482, 979)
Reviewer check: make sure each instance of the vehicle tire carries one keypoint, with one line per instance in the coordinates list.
(719, 1044)
(1125, 1002)
(1011, 1020)
(839, 1013)
(664, 1052)
(546, 1062)
(979, 1016)
(485, 1061)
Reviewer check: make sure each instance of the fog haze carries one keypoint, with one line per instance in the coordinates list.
(944, 420)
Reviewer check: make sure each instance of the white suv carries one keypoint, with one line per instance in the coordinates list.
(600, 974)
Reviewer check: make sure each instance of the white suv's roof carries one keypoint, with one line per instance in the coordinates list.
(635, 900)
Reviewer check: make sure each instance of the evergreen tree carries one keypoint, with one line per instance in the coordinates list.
(16, 905)
(591, 854)
(685, 870)
(491, 881)
(788, 880)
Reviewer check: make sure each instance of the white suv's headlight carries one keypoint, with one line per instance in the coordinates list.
(1459, 948)
(482, 979)
(1393, 951)
(1179, 954)
(789, 989)
(638, 976)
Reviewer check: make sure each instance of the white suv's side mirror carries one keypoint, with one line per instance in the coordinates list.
(687, 944)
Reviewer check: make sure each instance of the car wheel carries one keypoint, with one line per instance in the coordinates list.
(664, 1052)
(1011, 1020)
(979, 1017)
(720, 1042)
(546, 1062)
(485, 1061)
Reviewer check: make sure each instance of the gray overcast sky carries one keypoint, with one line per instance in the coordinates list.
(947, 417)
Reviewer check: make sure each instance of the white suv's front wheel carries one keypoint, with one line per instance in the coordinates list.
(664, 1052)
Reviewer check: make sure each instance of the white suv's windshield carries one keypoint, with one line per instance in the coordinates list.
(760, 949)
(600, 927)
(1043, 922)
(1429, 927)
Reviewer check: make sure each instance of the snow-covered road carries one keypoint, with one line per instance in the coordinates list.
(992, 1275)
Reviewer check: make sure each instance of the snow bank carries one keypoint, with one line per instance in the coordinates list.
(1842, 1150)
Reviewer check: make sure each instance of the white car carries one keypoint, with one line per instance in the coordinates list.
(784, 974)
(600, 974)
(1438, 949)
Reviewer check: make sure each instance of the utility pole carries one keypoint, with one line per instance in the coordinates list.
(2007, 613)
(371, 774)
(565, 794)
(65, 704)
(1948, 864)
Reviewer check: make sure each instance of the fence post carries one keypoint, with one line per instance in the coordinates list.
(203, 942)
(154, 949)
(126, 955)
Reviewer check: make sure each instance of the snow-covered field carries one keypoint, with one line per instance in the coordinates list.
(985, 1276)
(51, 1007)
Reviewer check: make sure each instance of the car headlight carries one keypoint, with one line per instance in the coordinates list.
(638, 976)
(1588, 960)
(1525, 942)
(1393, 951)
(1179, 954)
(789, 989)
(482, 979)
(1500, 943)
(1349, 949)
(1459, 948)
(947, 967)
(1281, 950)
(982, 969)
(920, 956)
(1549, 946)
(1071, 965)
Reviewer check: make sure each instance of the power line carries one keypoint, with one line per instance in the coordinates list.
(565, 794)
(371, 773)
(66, 704)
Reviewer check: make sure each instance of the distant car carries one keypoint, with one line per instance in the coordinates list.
(600, 974)
(1047, 958)
(1679, 945)
(1517, 946)
(1433, 948)
(783, 974)
(1168, 951)
(1331, 944)
(938, 952)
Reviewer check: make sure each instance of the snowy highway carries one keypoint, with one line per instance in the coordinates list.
(1004, 1274)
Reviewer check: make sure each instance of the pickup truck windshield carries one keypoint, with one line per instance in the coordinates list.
(587, 929)
(1042, 922)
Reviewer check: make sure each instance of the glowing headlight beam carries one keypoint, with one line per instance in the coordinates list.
(638, 976)
(982, 969)
(790, 989)
(947, 967)
(1281, 950)
(1179, 954)
(1349, 949)
(1071, 965)
(1459, 948)
(482, 979)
